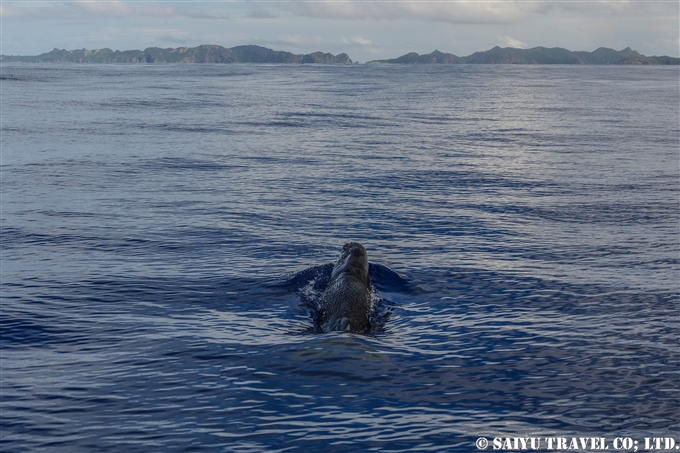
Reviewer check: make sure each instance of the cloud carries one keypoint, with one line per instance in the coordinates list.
(102, 9)
(462, 11)
(298, 39)
(507, 41)
(316, 40)
(261, 14)
(358, 41)
(366, 29)
(156, 31)
(293, 42)
(169, 39)
(471, 11)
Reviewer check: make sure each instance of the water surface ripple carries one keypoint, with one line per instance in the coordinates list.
(159, 224)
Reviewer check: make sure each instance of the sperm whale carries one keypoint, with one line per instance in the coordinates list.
(346, 303)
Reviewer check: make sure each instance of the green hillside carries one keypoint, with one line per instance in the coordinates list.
(200, 54)
(536, 55)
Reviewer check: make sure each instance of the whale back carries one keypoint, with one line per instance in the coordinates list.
(346, 303)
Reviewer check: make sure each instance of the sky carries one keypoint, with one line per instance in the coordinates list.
(365, 30)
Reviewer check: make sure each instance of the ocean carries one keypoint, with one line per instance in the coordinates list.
(166, 232)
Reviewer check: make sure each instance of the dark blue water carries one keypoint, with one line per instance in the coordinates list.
(159, 223)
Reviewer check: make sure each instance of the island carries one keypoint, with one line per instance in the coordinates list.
(200, 54)
(258, 54)
(536, 55)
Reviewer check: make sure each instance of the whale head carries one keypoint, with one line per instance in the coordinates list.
(353, 262)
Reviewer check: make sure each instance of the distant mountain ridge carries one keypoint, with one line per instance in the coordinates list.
(536, 55)
(200, 54)
(258, 54)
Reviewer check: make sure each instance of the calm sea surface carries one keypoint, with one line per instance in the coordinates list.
(159, 224)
